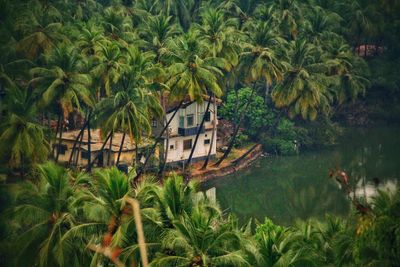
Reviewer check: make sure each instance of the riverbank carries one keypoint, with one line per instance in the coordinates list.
(242, 159)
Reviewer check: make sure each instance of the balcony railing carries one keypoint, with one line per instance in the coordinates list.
(190, 130)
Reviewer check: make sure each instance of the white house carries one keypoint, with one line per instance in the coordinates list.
(183, 128)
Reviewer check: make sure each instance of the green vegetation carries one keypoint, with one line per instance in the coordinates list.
(299, 57)
(56, 220)
(286, 70)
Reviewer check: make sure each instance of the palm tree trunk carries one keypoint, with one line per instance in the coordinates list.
(136, 153)
(101, 150)
(232, 142)
(195, 10)
(183, 14)
(164, 162)
(76, 140)
(120, 148)
(60, 138)
(55, 139)
(142, 170)
(266, 97)
(189, 161)
(89, 169)
(79, 149)
(22, 170)
(109, 150)
(214, 133)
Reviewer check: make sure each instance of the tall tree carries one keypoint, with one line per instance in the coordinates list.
(41, 30)
(305, 89)
(22, 138)
(43, 215)
(62, 83)
(263, 59)
(110, 65)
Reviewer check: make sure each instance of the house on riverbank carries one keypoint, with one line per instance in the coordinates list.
(180, 138)
(107, 156)
(176, 144)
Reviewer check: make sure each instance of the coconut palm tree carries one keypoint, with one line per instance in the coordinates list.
(305, 89)
(129, 111)
(201, 238)
(118, 26)
(90, 39)
(42, 215)
(263, 59)
(155, 32)
(134, 105)
(41, 29)
(175, 198)
(110, 65)
(288, 14)
(220, 35)
(62, 83)
(193, 73)
(22, 138)
(350, 70)
(104, 203)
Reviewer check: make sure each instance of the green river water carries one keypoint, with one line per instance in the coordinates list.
(298, 187)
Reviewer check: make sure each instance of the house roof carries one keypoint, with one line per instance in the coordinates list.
(171, 106)
(96, 140)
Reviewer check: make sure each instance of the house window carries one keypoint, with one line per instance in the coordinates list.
(190, 120)
(206, 141)
(61, 149)
(187, 144)
(208, 116)
(85, 154)
(171, 147)
(154, 123)
(182, 121)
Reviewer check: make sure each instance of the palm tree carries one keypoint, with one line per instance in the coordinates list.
(90, 39)
(62, 83)
(175, 198)
(220, 35)
(42, 215)
(109, 67)
(155, 32)
(133, 106)
(105, 203)
(305, 89)
(288, 14)
(358, 21)
(41, 31)
(301, 245)
(193, 73)
(130, 112)
(22, 139)
(201, 238)
(118, 26)
(263, 58)
(350, 70)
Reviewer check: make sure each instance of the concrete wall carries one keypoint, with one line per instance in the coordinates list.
(178, 153)
(126, 156)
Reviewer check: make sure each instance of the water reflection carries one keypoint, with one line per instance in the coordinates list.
(287, 188)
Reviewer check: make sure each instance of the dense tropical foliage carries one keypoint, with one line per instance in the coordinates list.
(64, 218)
(287, 72)
(301, 58)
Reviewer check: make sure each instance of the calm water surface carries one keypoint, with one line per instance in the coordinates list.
(287, 188)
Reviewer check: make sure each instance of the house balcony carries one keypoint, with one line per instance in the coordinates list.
(190, 130)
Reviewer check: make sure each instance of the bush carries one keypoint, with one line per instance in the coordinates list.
(241, 140)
